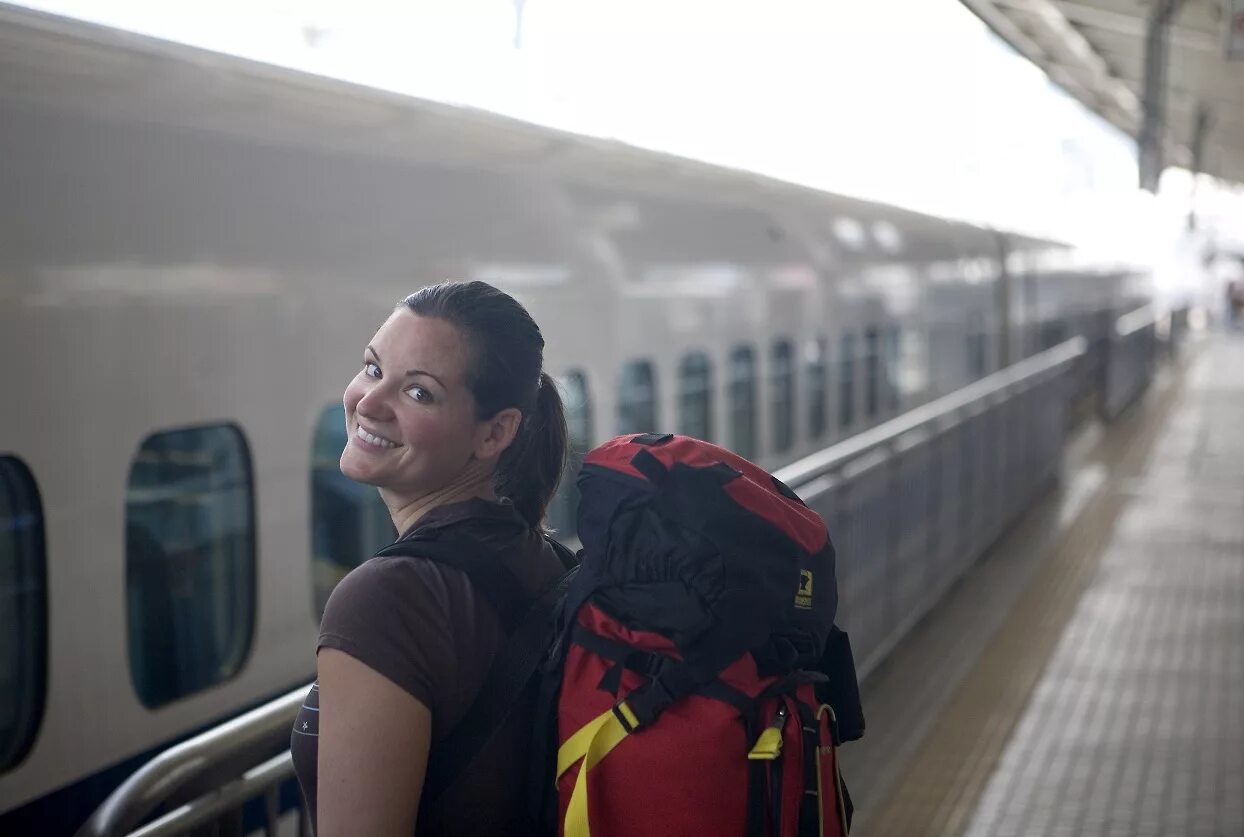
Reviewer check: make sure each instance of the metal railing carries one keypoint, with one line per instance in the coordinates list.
(1131, 356)
(204, 782)
(911, 504)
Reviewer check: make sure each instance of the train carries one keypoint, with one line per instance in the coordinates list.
(194, 250)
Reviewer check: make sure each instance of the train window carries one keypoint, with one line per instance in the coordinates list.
(695, 396)
(872, 373)
(23, 617)
(977, 361)
(976, 355)
(816, 363)
(349, 521)
(743, 401)
(578, 404)
(893, 362)
(783, 396)
(1052, 333)
(190, 561)
(637, 399)
(846, 382)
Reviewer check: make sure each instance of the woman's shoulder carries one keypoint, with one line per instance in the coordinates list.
(400, 587)
(403, 616)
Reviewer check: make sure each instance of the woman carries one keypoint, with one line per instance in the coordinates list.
(451, 417)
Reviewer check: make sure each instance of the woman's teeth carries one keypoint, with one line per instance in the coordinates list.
(372, 439)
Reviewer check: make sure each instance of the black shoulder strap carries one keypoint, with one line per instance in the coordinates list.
(506, 685)
(456, 547)
(564, 554)
(529, 626)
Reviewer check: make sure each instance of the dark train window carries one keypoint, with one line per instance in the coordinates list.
(846, 381)
(1052, 332)
(816, 367)
(23, 614)
(190, 561)
(743, 401)
(976, 346)
(349, 521)
(578, 404)
(872, 373)
(695, 396)
(893, 362)
(637, 399)
(977, 367)
(783, 396)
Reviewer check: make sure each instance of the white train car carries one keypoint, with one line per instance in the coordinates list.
(193, 251)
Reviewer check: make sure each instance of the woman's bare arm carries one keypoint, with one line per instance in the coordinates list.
(373, 751)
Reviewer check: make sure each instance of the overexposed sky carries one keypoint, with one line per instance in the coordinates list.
(906, 101)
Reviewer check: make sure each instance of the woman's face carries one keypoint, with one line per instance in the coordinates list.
(410, 418)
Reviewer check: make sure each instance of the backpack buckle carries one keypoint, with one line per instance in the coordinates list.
(643, 705)
(626, 717)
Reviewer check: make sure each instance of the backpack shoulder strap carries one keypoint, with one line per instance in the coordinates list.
(529, 630)
(564, 554)
(456, 547)
(512, 671)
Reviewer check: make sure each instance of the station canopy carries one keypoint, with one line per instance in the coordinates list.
(1170, 70)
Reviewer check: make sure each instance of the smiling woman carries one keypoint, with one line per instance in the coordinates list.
(412, 431)
(451, 418)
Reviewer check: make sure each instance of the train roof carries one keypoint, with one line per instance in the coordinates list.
(67, 64)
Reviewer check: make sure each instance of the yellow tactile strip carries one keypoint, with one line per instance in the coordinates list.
(939, 789)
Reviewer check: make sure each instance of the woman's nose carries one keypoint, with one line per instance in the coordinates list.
(375, 403)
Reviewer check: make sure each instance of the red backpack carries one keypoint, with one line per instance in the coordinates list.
(703, 686)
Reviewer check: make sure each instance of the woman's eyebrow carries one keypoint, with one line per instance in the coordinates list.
(410, 372)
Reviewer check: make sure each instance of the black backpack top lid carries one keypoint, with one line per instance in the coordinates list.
(685, 538)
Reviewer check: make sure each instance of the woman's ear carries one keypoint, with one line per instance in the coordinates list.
(497, 433)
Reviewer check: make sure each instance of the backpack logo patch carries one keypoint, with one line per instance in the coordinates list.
(803, 598)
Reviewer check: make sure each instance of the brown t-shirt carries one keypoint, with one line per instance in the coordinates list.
(425, 627)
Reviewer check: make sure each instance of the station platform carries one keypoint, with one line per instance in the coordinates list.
(1086, 677)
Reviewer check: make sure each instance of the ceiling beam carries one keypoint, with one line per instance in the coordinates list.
(1130, 25)
(1055, 46)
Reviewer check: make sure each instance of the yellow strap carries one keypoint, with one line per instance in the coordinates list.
(590, 744)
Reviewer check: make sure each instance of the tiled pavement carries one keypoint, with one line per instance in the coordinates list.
(1088, 676)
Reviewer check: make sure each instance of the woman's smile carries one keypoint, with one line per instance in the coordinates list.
(369, 440)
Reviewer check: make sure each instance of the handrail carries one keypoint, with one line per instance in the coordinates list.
(211, 805)
(176, 767)
(807, 471)
(1130, 357)
(1134, 321)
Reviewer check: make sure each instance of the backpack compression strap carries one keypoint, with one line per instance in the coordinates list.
(589, 745)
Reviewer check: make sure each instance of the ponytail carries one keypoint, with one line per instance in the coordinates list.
(532, 465)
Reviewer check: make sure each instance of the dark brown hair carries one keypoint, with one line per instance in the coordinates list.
(505, 370)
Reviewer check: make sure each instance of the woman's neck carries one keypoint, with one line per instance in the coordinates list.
(407, 511)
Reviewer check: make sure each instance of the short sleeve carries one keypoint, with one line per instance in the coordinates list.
(394, 616)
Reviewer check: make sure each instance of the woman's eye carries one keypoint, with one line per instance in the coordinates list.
(420, 394)
(371, 370)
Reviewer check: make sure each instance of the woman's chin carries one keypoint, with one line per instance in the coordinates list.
(354, 469)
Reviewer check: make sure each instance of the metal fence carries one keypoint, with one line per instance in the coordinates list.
(1131, 356)
(911, 504)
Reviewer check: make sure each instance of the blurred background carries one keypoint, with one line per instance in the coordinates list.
(967, 275)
